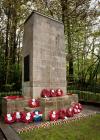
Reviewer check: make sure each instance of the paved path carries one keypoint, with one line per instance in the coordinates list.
(7, 133)
(2, 136)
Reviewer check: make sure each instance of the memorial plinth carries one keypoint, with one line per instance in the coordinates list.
(57, 103)
(13, 105)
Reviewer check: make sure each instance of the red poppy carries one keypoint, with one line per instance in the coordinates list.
(13, 97)
(53, 93)
(45, 93)
(9, 118)
(59, 92)
(77, 108)
(70, 112)
(33, 103)
(17, 116)
(27, 117)
(53, 115)
(62, 114)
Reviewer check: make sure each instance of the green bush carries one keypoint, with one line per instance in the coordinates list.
(87, 96)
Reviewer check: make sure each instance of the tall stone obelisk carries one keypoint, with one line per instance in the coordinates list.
(44, 62)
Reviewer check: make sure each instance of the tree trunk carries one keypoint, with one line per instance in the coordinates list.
(7, 48)
(67, 30)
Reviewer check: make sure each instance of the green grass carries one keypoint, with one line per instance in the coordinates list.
(85, 129)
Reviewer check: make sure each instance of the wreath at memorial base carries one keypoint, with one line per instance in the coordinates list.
(54, 115)
(33, 103)
(37, 116)
(9, 118)
(45, 93)
(51, 93)
(27, 117)
(17, 116)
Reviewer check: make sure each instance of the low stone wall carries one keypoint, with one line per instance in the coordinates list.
(46, 104)
(10, 106)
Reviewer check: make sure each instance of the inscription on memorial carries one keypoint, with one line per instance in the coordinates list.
(26, 68)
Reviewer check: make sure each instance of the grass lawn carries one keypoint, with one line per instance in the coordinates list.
(85, 129)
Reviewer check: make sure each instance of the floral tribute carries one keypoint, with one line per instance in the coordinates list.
(9, 118)
(59, 92)
(45, 93)
(37, 116)
(34, 103)
(27, 117)
(53, 115)
(65, 113)
(51, 93)
(62, 114)
(70, 112)
(13, 97)
(17, 116)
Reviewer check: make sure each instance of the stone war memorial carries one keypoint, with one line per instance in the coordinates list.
(43, 67)
(44, 64)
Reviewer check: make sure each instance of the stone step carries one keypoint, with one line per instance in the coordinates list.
(29, 109)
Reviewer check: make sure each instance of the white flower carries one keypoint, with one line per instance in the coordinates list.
(33, 100)
(36, 112)
(9, 117)
(54, 112)
(28, 114)
(18, 115)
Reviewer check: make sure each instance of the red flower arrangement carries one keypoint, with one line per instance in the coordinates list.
(13, 97)
(53, 93)
(34, 103)
(17, 116)
(62, 114)
(37, 116)
(59, 92)
(26, 117)
(77, 108)
(9, 119)
(45, 93)
(53, 115)
(70, 112)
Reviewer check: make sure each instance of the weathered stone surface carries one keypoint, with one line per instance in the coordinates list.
(10, 106)
(57, 103)
(28, 109)
(44, 42)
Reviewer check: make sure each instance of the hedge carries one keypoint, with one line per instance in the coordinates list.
(87, 96)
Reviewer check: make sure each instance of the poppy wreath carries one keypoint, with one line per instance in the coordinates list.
(59, 92)
(77, 108)
(37, 116)
(70, 112)
(17, 116)
(80, 106)
(53, 115)
(13, 97)
(45, 93)
(62, 114)
(27, 117)
(9, 118)
(34, 103)
(53, 93)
